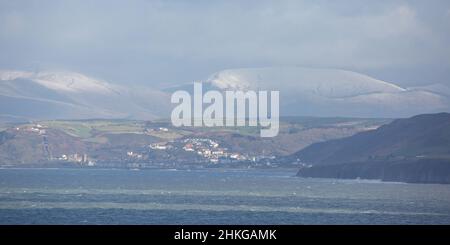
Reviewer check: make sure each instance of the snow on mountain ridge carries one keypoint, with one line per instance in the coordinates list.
(76, 96)
(331, 83)
(60, 81)
(437, 88)
(333, 92)
(303, 92)
(7, 75)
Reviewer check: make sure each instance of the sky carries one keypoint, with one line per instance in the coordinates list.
(159, 43)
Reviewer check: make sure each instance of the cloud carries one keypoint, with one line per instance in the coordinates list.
(165, 41)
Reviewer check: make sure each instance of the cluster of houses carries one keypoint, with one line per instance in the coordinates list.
(35, 128)
(159, 129)
(201, 150)
(207, 148)
(135, 155)
(160, 146)
(81, 159)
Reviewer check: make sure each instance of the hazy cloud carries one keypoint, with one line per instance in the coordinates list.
(178, 41)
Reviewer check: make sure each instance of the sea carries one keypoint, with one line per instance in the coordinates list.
(212, 196)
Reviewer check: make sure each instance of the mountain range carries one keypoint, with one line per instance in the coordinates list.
(41, 95)
(68, 95)
(333, 92)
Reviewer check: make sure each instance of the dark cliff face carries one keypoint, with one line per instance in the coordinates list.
(414, 150)
(423, 135)
(409, 171)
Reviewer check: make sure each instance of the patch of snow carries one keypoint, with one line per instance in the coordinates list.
(60, 81)
(329, 83)
(7, 75)
(333, 92)
(434, 88)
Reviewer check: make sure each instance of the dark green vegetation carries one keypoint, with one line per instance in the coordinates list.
(416, 149)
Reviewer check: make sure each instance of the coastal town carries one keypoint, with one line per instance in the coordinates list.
(182, 152)
(138, 144)
(187, 152)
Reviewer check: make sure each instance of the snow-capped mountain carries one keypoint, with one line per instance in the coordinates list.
(306, 92)
(61, 81)
(332, 92)
(69, 95)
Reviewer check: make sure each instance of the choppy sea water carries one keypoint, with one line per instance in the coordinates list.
(214, 196)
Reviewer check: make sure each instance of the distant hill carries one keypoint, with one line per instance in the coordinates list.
(420, 136)
(40, 142)
(49, 95)
(335, 92)
(69, 95)
(421, 142)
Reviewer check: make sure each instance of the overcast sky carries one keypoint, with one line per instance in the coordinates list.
(161, 42)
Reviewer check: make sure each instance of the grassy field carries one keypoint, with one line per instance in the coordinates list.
(74, 128)
(92, 130)
(88, 129)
